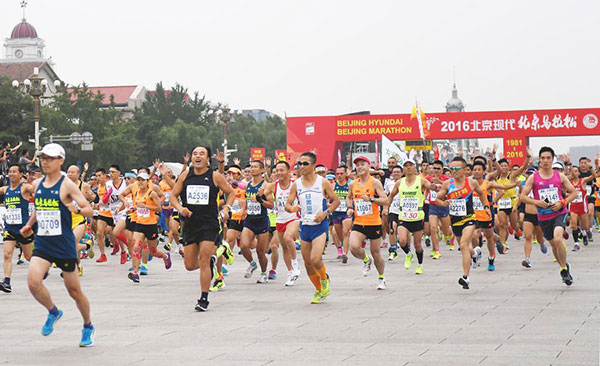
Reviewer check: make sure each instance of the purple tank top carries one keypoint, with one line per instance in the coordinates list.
(549, 190)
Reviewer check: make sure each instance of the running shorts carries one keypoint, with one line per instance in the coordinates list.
(549, 225)
(372, 232)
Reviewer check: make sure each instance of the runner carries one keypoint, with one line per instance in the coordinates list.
(115, 186)
(105, 221)
(548, 187)
(198, 209)
(364, 198)
(78, 220)
(342, 223)
(16, 199)
(256, 222)
(580, 223)
(313, 192)
(392, 211)
(54, 240)
(531, 227)
(507, 202)
(457, 194)
(438, 215)
(409, 191)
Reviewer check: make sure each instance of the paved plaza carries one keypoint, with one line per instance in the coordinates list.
(512, 316)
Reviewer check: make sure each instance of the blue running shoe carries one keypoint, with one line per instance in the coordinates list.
(298, 246)
(543, 248)
(131, 269)
(48, 327)
(224, 270)
(150, 257)
(143, 270)
(87, 337)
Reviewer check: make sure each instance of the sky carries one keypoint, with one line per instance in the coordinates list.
(331, 57)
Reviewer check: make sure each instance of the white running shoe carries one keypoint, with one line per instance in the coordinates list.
(381, 284)
(476, 256)
(291, 281)
(262, 278)
(367, 267)
(251, 268)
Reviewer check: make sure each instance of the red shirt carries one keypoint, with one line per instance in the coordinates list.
(432, 195)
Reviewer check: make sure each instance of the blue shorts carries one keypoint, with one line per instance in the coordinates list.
(339, 217)
(311, 232)
(258, 225)
(439, 211)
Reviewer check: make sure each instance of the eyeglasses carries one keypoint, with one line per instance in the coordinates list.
(437, 168)
(303, 163)
(455, 168)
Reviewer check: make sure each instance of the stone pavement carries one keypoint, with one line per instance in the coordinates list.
(512, 316)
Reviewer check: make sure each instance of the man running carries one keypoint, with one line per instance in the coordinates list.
(364, 198)
(313, 192)
(79, 221)
(438, 215)
(548, 186)
(105, 221)
(580, 223)
(16, 200)
(342, 223)
(54, 241)
(198, 208)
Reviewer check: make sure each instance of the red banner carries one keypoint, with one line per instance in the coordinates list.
(257, 153)
(324, 134)
(515, 149)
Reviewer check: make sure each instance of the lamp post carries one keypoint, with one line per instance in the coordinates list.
(36, 87)
(225, 115)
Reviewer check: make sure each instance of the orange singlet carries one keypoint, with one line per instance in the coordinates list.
(145, 216)
(365, 213)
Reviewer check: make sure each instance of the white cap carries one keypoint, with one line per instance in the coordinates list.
(143, 175)
(557, 165)
(409, 161)
(53, 150)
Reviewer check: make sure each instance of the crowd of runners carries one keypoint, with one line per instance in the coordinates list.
(260, 212)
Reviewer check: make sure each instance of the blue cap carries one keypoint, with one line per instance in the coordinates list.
(129, 175)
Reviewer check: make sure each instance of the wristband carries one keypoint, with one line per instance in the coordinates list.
(259, 199)
(564, 203)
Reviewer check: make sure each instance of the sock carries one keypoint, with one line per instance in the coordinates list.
(88, 325)
(204, 296)
(316, 280)
(381, 277)
(366, 259)
(54, 311)
(295, 264)
(420, 257)
(7, 280)
(322, 272)
(575, 235)
(563, 268)
(253, 264)
(583, 234)
(406, 249)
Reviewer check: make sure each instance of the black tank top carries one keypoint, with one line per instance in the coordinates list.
(199, 195)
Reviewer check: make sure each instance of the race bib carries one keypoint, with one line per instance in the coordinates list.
(504, 203)
(549, 195)
(410, 208)
(579, 198)
(114, 207)
(588, 190)
(197, 195)
(343, 207)
(363, 208)
(143, 212)
(236, 208)
(49, 223)
(13, 216)
(458, 207)
(433, 196)
(167, 198)
(254, 208)
(477, 205)
(395, 206)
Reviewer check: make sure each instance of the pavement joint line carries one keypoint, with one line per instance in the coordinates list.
(352, 355)
(134, 362)
(459, 329)
(393, 334)
(411, 325)
(406, 363)
(569, 341)
(497, 348)
(443, 340)
(171, 332)
(523, 326)
(510, 336)
(533, 317)
(268, 362)
(263, 320)
(219, 355)
(299, 349)
(484, 314)
(558, 354)
(301, 325)
(371, 345)
(424, 352)
(483, 359)
(473, 321)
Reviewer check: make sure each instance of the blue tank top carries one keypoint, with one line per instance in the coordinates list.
(54, 235)
(17, 209)
(342, 192)
(255, 209)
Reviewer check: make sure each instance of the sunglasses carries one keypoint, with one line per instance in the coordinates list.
(437, 168)
(303, 163)
(455, 168)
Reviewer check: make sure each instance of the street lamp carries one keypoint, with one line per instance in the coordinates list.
(36, 87)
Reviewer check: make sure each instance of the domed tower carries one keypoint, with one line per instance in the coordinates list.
(24, 45)
(455, 104)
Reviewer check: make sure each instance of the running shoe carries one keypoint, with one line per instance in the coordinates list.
(451, 247)
(123, 257)
(168, 262)
(90, 251)
(134, 277)
(393, 256)
(21, 260)
(543, 248)
(181, 251)
(224, 270)
(201, 305)
(437, 255)
(427, 241)
(585, 241)
(251, 268)
(526, 263)
(79, 270)
(566, 235)
(101, 259)
(272, 274)
(381, 284)
(5, 287)
(565, 274)
(83, 255)
(491, 265)
(143, 270)
(325, 287)
(408, 260)
(217, 285)
(167, 247)
(317, 298)
(476, 256)
(229, 256)
(150, 257)
(576, 247)
(263, 278)
(432, 253)
(344, 258)
(298, 246)
(48, 327)
(214, 273)
(366, 267)
(590, 236)
(87, 337)
(419, 270)
(339, 253)
(291, 281)
(464, 282)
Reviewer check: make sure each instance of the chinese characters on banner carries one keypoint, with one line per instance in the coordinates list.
(257, 153)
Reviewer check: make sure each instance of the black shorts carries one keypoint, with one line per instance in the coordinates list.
(129, 225)
(597, 208)
(20, 239)
(273, 229)
(507, 211)
(66, 264)
(109, 220)
(592, 200)
(458, 230)
(549, 225)
(426, 210)
(412, 226)
(235, 225)
(371, 231)
(392, 217)
(521, 208)
(149, 231)
(532, 218)
(485, 224)
(258, 225)
(195, 234)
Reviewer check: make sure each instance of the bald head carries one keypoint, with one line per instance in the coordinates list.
(73, 173)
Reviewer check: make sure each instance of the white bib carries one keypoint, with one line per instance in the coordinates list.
(433, 195)
(549, 195)
(505, 203)
(363, 208)
(143, 212)
(588, 190)
(395, 206)
(197, 195)
(477, 205)
(254, 207)
(49, 223)
(579, 198)
(343, 207)
(410, 208)
(236, 207)
(458, 207)
(13, 216)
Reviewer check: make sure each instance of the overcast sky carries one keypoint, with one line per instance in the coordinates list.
(330, 57)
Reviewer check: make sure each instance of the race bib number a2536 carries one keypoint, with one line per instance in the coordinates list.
(197, 195)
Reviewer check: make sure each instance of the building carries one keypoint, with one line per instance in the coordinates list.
(125, 98)
(455, 104)
(257, 114)
(24, 50)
